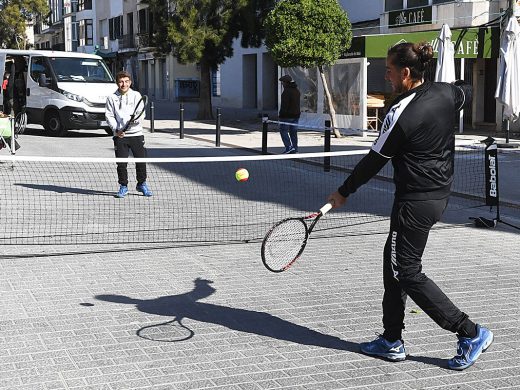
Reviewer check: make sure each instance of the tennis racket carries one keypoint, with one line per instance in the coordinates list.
(139, 111)
(285, 242)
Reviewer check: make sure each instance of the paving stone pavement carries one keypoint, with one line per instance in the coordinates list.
(76, 317)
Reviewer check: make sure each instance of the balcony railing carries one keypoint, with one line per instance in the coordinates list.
(143, 40)
(127, 41)
(58, 47)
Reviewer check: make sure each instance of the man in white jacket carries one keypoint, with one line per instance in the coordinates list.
(119, 109)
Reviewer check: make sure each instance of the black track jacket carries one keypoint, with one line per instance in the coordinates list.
(418, 136)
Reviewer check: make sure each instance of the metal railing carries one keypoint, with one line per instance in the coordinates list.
(143, 40)
(127, 41)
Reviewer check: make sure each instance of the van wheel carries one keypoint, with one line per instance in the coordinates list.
(53, 125)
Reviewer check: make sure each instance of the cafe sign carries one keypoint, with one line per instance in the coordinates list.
(482, 42)
(410, 17)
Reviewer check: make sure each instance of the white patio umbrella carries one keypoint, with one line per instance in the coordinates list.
(509, 73)
(445, 70)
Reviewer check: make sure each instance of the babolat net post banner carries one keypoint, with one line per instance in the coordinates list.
(491, 167)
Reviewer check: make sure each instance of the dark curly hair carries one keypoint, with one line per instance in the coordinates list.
(414, 56)
(122, 74)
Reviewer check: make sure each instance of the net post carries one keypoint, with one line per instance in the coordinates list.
(152, 117)
(326, 147)
(12, 140)
(217, 135)
(491, 174)
(181, 120)
(265, 125)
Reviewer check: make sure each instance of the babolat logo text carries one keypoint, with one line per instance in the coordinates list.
(492, 176)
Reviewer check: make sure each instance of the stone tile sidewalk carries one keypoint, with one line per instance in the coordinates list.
(109, 317)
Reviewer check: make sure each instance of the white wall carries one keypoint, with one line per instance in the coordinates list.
(231, 77)
(362, 10)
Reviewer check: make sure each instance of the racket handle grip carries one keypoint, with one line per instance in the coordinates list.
(325, 209)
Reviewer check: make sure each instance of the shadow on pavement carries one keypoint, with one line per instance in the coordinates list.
(187, 305)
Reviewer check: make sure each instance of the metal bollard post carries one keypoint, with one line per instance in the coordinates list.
(152, 118)
(265, 128)
(217, 135)
(181, 121)
(326, 147)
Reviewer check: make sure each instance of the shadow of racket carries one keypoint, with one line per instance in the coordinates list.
(166, 332)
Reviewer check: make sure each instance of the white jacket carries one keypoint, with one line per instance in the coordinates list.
(119, 109)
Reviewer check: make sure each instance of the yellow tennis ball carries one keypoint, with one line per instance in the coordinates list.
(242, 174)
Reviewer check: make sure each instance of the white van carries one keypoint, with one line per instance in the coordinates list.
(59, 90)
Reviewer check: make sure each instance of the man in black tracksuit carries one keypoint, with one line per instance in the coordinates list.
(289, 113)
(418, 136)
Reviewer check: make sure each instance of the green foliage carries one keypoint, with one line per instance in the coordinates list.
(13, 17)
(307, 33)
(204, 30)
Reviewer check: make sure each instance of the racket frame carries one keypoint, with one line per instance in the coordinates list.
(134, 117)
(308, 229)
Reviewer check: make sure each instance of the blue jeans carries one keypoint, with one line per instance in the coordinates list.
(289, 134)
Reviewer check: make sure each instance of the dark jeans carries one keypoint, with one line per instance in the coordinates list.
(289, 133)
(123, 146)
(410, 225)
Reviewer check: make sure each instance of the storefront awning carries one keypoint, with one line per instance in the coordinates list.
(106, 55)
(483, 42)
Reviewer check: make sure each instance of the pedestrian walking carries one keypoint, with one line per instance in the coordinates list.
(289, 113)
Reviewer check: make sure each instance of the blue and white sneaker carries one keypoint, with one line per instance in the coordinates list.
(468, 350)
(381, 347)
(123, 190)
(144, 189)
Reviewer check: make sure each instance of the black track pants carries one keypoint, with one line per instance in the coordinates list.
(123, 146)
(410, 225)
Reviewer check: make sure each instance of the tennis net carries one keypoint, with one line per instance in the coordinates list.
(198, 200)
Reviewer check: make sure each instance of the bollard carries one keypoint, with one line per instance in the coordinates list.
(217, 135)
(326, 147)
(265, 128)
(152, 118)
(181, 121)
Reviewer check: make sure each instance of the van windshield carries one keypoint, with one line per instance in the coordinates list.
(81, 70)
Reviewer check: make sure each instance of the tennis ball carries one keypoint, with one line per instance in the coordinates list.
(242, 174)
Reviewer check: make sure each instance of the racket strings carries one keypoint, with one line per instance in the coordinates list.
(284, 244)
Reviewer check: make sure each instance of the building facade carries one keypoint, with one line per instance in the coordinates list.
(120, 31)
(376, 26)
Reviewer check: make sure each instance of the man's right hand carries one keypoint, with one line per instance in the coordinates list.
(336, 199)
(120, 134)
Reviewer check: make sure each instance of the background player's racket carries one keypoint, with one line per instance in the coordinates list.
(286, 240)
(139, 111)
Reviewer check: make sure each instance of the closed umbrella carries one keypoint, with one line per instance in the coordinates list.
(445, 70)
(509, 73)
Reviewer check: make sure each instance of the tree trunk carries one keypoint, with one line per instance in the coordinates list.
(205, 109)
(332, 111)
